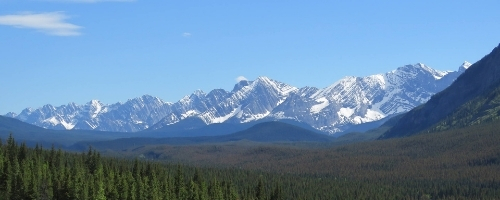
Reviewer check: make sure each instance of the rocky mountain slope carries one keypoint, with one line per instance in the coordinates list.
(357, 100)
(472, 99)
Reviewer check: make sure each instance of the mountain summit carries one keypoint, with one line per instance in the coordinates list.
(464, 66)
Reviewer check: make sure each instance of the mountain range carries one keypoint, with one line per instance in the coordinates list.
(348, 102)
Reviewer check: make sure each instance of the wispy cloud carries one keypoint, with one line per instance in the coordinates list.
(186, 34)
(52, 23)
(240, 78)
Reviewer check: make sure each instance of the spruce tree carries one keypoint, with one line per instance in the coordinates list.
(259, 190)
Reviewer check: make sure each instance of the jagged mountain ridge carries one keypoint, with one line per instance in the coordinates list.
(248, 101)
(352, 100)
(356, 100)
(134, 115)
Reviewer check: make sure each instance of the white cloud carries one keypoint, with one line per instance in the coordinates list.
(240, 78)
(186, 34)
(52, 23)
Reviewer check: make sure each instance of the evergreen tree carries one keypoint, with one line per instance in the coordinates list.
(259, 190)
(204, 191)
(179, 185)
(216, 191)
(193, 192)
(99, 182)
(277, 192)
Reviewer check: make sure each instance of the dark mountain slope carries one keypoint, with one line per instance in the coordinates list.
(263, 132)
(195, 127)
(11, 124)
(278, 131)
(482, 109)
(482, 77)
(24, 132)
(32, 135)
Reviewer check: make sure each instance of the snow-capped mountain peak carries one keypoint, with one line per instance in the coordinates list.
(282, 88)
(199, 93)
(464, 66)
(95, 108)
(412, 71)
(436, 73)
(249, 101)
(344, 82)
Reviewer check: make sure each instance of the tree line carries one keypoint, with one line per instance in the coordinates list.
(37, 173)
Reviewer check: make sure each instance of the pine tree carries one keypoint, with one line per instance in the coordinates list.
(99, 181)
(154, 187)
(216, 191)
(204, 191)
(179, 185)
(193, 192)
(167, 188)
(259, 190)
(7, 178)
(277, 192)
(123, 186)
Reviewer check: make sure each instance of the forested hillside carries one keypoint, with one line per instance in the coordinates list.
(482, 109)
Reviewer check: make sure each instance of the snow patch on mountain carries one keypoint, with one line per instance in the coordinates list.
(345, 112)
(67, 126)
(464, 66)
(226, 117)
(189, 113)
(91, 125)
(95, 108)
(254, 117)
(372, 115)
(323, 103)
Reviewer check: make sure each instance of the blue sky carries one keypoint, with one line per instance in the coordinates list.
(61, 51)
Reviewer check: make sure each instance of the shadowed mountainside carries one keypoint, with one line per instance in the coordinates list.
(268, 132)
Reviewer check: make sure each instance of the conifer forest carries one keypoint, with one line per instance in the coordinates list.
(454, 169)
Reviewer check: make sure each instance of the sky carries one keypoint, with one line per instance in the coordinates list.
(61, 51)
